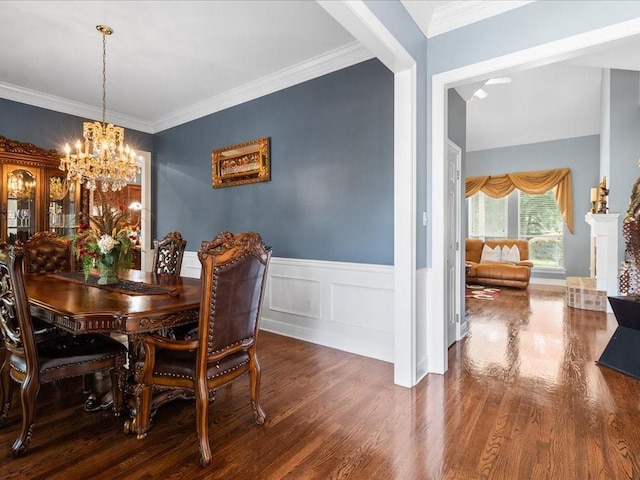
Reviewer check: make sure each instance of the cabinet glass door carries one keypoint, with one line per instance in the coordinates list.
(21, 205)
(62, 213)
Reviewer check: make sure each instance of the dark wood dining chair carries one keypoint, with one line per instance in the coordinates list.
(47, 252)
(168, 253)
(234, 269)
(32, 363)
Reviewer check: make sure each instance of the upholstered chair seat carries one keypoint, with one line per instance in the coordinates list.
(69, 351)
(179, 364)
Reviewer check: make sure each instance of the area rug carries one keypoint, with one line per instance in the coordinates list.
(481, 292)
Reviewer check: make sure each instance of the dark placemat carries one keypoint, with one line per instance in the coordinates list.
(123, 286)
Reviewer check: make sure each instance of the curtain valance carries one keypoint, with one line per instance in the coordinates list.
(533, 183)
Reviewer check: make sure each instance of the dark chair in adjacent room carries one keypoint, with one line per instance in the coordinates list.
(168, 253)
(32, 363)
(234, 269)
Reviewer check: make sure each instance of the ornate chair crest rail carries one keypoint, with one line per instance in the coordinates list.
(234, 268)
(46, 252)
(30, 363)
(168, 253)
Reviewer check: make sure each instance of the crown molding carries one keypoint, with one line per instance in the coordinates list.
(421, 12)
(356, 18)
(335, 60)
(327, 63)
(459, 13)
(63, 105)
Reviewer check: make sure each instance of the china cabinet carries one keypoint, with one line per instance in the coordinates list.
(63, 212)
(35, 193)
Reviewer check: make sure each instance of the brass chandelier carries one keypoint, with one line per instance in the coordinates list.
(104, 157)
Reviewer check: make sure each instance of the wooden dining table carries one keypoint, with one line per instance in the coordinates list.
(139, 304)
(143, 302)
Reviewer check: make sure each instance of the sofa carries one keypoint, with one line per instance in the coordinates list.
(505, 266)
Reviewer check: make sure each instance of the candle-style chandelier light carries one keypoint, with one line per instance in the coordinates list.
(20, 184)
(104, 157)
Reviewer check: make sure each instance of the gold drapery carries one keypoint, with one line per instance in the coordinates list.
(533, 183)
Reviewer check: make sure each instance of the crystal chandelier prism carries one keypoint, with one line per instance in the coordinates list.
(103, 157)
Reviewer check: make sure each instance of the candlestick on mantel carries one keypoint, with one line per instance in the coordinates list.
(594, 200)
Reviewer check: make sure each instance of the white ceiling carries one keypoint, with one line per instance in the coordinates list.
(551, 102)
(167, 61)
(170, 62)
(542, 104)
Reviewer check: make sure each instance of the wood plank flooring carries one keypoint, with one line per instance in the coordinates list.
(523, 399)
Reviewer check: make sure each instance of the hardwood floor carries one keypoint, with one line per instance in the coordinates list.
(523, 399)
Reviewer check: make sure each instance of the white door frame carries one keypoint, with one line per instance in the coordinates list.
(358, 20)
(146, 258)
(523, 59)
(461, 324)
(145, 214)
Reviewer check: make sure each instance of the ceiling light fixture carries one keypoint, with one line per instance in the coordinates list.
(498, 81)
(103, 157)
(480, 93)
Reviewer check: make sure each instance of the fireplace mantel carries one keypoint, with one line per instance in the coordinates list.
(604, 252)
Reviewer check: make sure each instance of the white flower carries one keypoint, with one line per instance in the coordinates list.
(106, 243)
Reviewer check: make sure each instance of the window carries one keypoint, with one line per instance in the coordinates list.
(487, 216)
(535, 218)
(541, 223)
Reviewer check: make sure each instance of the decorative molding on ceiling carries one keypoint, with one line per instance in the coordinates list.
(456, 14)
(63, 105)
(322, 65)
(370, 32)
(421, 12)
(332, 61)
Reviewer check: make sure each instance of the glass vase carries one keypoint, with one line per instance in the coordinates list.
(108, 272)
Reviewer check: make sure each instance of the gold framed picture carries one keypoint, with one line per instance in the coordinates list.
(247, 162)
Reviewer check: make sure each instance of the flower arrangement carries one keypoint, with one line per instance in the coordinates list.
(105, 242)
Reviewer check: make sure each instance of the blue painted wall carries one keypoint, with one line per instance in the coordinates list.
(457, 120)
(48, 129)
(331, 191)
(625, 143)
(581, 155)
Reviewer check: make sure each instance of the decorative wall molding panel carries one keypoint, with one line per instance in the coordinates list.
(347, 306)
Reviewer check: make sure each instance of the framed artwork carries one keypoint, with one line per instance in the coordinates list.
(247, 162)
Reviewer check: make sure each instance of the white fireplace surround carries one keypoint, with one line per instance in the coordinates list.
(604, 252)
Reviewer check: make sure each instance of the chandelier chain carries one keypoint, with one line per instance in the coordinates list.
(104, 78)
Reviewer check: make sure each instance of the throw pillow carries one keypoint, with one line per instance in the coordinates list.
(490, 254)
(510, 254)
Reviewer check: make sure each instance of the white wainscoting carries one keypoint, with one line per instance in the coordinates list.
(423, 283)
(190, 265)
(347, 306)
